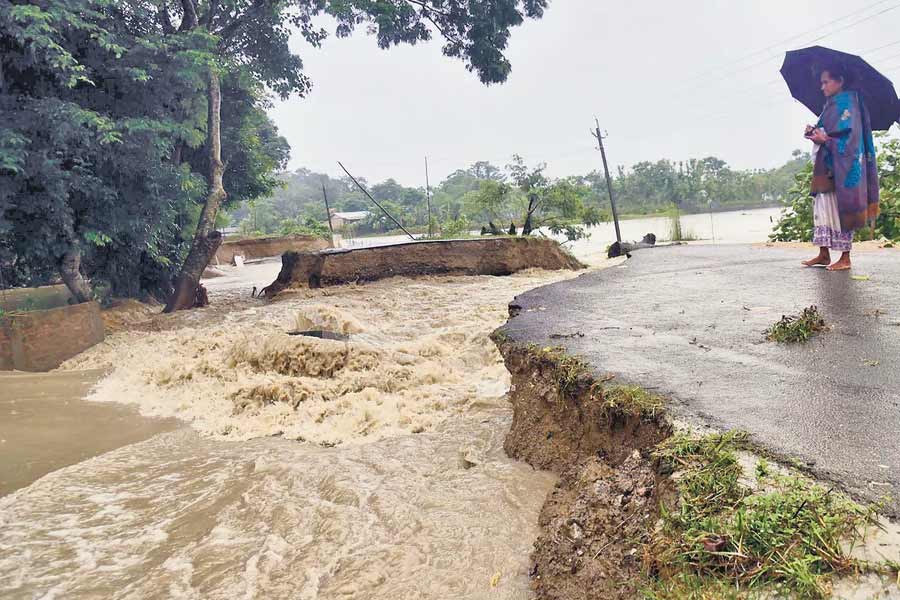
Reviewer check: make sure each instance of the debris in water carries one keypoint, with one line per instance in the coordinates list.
(555, 336)
(322, 334)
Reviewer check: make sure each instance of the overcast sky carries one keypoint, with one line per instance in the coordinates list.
(666, 79)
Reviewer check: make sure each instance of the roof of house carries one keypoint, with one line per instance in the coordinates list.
(352, 216)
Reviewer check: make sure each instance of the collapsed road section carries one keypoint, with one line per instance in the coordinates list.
(643, 506)
(494, 256)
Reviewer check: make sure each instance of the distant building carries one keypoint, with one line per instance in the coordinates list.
(339, 220)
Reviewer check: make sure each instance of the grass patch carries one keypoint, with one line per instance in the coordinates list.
(676, 232)
(632, 399)
(797, 328)
(571, 372)
(568, 369)
(722, 540)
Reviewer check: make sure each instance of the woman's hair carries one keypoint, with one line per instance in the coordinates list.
(837, 72)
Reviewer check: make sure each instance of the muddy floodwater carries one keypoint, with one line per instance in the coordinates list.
(213, 454)
(297, 467)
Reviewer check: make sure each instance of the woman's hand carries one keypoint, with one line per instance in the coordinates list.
(818, 136)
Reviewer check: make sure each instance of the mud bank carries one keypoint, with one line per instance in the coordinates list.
(596, 521)
(607, 528)
(501, 256)
(40, 340)
(268, 246)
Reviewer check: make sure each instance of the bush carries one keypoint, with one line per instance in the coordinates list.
(308, 226)
(455, 228)
(796, 222)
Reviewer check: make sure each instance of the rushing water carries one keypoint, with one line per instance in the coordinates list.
(302, 468)
(312, 468)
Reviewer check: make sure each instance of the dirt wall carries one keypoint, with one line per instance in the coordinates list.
(496, 256)
(41, 340)
(268, 246)
(37, 298)
(595, 522)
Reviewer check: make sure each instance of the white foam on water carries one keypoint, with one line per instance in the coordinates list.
(419, 353)
(416, 498)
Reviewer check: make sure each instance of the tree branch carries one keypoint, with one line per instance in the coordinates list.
(207, 19)
(427, 7)
(162, 15)
(189, 20)
(229, 30)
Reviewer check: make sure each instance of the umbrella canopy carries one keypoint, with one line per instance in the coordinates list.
(801, 70)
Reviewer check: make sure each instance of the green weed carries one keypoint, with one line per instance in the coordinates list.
(797, 328)
(721, 536)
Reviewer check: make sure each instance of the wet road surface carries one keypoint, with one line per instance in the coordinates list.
(688, 323)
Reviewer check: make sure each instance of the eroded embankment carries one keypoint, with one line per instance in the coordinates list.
(641, 510)
(492, 256)
(596, 521)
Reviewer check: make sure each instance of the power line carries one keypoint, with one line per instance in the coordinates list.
(894, 43)
(786, 40)
(766, 60)
(886, 58)
(780, 81)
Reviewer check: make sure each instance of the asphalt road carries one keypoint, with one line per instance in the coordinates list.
(688, 322)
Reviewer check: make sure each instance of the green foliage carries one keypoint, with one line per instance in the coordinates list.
(797, 328)
(477, 33)
(455, 228)
(486, 193)
(695, 185)
(102, 142)
(308, 226)
(796, 222)
(788, 537)
(676, 232)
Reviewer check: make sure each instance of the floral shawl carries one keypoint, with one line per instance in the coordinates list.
(845, 164)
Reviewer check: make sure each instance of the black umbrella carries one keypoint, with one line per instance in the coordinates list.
(801, 70)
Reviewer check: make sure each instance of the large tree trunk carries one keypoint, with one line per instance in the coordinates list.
(70, 270)
(206, 239)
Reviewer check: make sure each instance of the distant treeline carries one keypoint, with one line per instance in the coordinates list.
(485, 193)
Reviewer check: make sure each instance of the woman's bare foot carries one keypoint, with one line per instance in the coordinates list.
(823, 259)
(817, 261)
(841, 264)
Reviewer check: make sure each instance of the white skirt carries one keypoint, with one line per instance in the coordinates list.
(827, 224)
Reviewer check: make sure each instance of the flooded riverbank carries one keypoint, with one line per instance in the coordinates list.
(44, 425)
(384, 479)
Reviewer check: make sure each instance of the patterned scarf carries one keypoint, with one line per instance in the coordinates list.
(845, 164)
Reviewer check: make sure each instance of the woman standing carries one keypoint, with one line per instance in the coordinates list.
(845, 177)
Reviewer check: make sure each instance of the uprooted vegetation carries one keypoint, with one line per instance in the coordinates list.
(797, 328)
(643, 511)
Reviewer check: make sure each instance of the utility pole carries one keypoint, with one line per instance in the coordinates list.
(366, 192)
(327, 209)
(600, 137)
(428, 196)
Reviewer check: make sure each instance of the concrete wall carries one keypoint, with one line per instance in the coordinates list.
(41, 340)
(268, 246)
(492, 256)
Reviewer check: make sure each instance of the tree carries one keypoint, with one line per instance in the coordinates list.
(254, 36)
(796, 221)
(493, 201)
(83, 177)
(533, 184)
